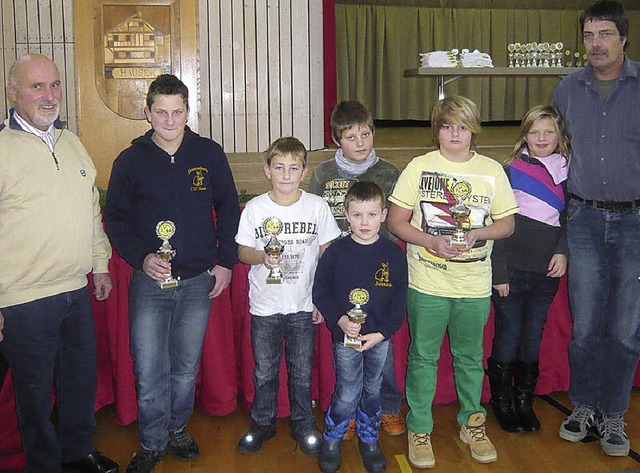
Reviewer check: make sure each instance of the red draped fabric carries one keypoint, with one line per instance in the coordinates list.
(225, 376)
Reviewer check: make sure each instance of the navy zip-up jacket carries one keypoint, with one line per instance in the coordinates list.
(147, 186)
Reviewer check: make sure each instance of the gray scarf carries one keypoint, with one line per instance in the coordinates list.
(348, 169)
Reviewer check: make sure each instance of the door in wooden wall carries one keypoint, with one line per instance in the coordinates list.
(121, 46)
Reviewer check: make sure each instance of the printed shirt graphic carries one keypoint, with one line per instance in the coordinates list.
(306, 225)
(425, 187)
(334, 193)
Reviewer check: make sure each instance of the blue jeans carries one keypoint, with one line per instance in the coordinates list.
(358, 380)
(53, 334)
(390, 394)
(520, 317)
(604, 263)
(167, 330)
(299, 335)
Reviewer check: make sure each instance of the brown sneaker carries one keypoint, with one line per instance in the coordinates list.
(473, 434)
(420, 451)
(351, 430)
(393, 424)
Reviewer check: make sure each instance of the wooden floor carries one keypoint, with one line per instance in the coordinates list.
(541, 452)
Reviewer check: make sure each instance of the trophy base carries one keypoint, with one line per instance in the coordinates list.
(168, 284)
(351, 342)
(274, 281)
(458, 241)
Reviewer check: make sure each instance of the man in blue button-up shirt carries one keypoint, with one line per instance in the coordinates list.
(601, 106)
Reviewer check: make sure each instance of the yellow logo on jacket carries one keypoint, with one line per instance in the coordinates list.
(197, 178)
(382, 276)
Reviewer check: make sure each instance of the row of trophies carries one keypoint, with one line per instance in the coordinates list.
(544, 55)
(535, 54)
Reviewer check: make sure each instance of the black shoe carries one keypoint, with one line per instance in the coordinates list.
(94, 462)
(372, 456)
(183, 446)
(330, 455)
(144, 461)
(252, 439)
(308, 443)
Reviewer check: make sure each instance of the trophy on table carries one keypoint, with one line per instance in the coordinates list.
(460, 213)
(358, 297)
(273, 226)
(165, 230)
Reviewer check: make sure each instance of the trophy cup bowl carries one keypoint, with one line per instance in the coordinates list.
(165, 230)
(357, 315)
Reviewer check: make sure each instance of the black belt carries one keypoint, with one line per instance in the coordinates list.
(616, 206)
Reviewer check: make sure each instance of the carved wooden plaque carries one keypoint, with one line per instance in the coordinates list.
(135, 41)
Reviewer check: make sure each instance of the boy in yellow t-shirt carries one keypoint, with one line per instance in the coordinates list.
(449, 270)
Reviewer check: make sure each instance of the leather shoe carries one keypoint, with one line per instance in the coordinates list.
(95, 462)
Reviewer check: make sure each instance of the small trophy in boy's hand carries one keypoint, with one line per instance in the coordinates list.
(358, 297)
(273, 226)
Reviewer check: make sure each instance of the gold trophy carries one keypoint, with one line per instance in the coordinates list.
(165, 230)
(273, 226)
(358, 297)
(460, 213)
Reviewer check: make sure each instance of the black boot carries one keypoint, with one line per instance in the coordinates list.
(367, 431)
(500, 378)
(330, 452)
(525, 377)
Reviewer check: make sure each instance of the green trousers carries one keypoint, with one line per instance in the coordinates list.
(429, 317)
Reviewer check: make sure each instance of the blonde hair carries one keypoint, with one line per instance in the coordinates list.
(455, 110)
(286, 146)
(540, 112)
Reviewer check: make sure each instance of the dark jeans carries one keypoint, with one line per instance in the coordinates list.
(267, 334)
(520, 317)
(358, 380)
(390, 394)
(167, 329)
(45, 339)
(604, 292)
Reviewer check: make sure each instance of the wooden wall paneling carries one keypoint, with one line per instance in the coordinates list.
(33, 25)
(4, 72)
(20, 21)
(275, 81)
(316, 82)
(202, 104)
(286, 84)
(72, 103)
(189, 31)
(239, 86)
(226, 66)
(57, 54)
(44, 21)
(300, 83)
(214, 69)
(251, 92)
(262, 75)
(57, 21)
(67, 6)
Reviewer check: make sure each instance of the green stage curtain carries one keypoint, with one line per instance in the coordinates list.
(377, 40)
